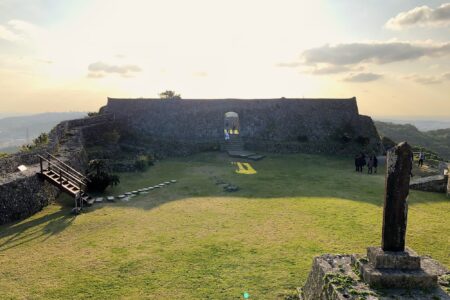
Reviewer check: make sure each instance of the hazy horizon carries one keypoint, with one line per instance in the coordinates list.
(60, 56)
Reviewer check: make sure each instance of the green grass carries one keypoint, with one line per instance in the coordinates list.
(191, 240)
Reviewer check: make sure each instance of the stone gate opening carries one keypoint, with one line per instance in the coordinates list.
(231, 123)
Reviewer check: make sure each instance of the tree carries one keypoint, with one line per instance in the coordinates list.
(100, 176)
(169, 95)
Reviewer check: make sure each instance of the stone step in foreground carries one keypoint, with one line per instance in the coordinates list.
(339, 277)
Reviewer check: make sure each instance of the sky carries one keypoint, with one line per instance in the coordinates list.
(393, 56)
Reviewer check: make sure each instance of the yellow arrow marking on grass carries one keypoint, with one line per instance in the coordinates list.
(244, 168)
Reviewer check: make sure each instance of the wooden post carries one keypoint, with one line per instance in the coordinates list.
(40, 164)
(395, 212)
(60, 179)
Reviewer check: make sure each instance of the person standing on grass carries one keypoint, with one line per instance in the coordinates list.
(362, 162)
(357, 162)
(375, 163)
(369, 165)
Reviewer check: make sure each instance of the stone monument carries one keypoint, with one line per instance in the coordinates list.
(391, 270)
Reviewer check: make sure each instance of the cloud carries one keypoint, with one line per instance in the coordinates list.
(362, 77)
(200, 74)
(372, 52)
(100, 69)
(288, 64)
(421, 16)
(18, 30)
(328, 69)
(429, 79)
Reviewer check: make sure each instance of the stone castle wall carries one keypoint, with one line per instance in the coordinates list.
(273, 125)
(24, 193)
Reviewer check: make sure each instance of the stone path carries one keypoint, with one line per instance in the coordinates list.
(127, 196)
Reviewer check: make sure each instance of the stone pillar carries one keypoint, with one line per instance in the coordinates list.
(393, 266)
(395, 212)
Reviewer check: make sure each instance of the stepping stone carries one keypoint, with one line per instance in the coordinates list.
(144, 193)
(167, 182)
(150, 188)
(173, 181)
(161, 184)
(156, 186)
(135, 192)
(121, 196)
(128, 194)
(256, 157)
(99, 199)
(110, 198)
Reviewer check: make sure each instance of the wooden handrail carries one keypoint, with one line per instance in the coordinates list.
(73, 177)
(67, 166)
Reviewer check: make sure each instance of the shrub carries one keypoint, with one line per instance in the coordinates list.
(41, 140)
(141, 163)
(100, 176)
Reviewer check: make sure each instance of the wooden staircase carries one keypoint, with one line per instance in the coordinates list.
(67, 179)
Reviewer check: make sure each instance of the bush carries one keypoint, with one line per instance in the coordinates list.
(141, 163)
(100, 176)
(41, 140)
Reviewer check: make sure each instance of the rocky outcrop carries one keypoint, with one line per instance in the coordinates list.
(437, 183)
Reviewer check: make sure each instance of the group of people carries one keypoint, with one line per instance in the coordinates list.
(370, 161)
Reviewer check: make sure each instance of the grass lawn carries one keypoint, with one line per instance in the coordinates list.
(192, 240)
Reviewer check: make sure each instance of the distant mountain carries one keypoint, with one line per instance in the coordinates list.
(435, 140)
(15, 130)
(421, 124)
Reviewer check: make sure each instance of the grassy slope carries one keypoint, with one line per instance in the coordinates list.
(191, 240)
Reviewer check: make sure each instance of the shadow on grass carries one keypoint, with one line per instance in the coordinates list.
(22, 232)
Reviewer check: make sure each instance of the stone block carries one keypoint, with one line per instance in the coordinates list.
(396, 278)
(110, 198)
(99, 199)
(402, 260)
(336, 277)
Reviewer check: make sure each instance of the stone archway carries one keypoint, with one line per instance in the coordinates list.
(231, 123)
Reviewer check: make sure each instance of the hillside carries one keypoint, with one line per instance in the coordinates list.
(13, 130)
(435, 140)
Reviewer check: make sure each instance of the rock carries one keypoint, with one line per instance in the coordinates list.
(110, 198)
(173, 181)
(231, 188)
(134, 192)
(99, 199)
(167, 182)
(128, 194)
(121, 196)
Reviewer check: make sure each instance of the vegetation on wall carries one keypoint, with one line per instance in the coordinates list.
(41, 140)
(169, 95)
